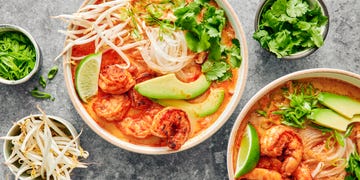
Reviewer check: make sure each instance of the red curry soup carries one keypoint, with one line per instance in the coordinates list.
(166, 69)
(304, 131)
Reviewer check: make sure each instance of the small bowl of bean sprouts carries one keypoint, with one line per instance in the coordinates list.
(43, 147)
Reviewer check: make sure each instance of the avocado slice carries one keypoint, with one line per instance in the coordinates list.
(343, 105)
(209, 106)
(330, 119)
(170, 87)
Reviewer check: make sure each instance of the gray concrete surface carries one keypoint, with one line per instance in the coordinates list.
(205, 161)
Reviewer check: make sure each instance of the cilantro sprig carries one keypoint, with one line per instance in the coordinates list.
(290, 26)
(17, 55)
(205, 35)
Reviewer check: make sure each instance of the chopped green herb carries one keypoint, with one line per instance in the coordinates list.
(234, 54)
(300, 106)
(42, 81)
(261, 112)
(53, 71)
(41, 95)
(205, 35)
(17, 55)
(349, 130)
(353, 166)
(290, 26)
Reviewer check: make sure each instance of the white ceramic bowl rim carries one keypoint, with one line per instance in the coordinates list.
(10, 27)
(14, 130)
(240, 86)
(343, 75)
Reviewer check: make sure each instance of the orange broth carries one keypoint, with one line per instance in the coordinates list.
(276, 96)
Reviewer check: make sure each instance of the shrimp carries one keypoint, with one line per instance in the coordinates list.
(173, 124)
(302, 173)
(138, 123)
(355, 135)
(283, 142)
(269, 163)
(139, 101)
(262, 174)
(137, 127)
(114, 80)
(112, 107)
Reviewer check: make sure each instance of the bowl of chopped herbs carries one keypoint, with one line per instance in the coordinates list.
(291, 29)
(20, 56)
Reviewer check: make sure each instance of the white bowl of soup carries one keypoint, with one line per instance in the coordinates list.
(148, 86)
(301, 125)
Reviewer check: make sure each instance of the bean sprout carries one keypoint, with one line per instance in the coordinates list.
(101, 24)
(43, 149)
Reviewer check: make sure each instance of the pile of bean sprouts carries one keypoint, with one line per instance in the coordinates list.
(43, 149)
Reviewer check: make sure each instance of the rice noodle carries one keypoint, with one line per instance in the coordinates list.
(165, 53)
(326, 162)
(102, 24)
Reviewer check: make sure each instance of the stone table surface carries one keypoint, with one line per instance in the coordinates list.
(208, 159)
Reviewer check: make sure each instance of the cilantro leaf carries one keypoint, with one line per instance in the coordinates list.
(215, 69)
(235, 54)
(197, 42)
(279, 7)
(296, 8)
(215, 50)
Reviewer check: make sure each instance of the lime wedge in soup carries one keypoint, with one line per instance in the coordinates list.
(249, 152)
(87, 75)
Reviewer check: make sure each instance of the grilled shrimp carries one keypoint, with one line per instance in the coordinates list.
(137, 127)
(114, 80)
(112, 107)
(262, 174)
(138, 123)
(173, 124)
(302, 173)
(269, 163)
(355, 135)
(282, 142)
(139, 101)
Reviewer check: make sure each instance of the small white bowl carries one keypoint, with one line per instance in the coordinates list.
(38, 60)
(337, 74)
(15, 130)
(266, 3)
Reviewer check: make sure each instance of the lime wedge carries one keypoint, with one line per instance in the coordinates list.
(87, 75)
(249, 152)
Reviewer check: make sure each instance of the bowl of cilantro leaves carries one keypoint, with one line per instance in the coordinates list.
(20, 56)
(291, 29)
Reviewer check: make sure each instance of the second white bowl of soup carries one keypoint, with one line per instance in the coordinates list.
(300, 125)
